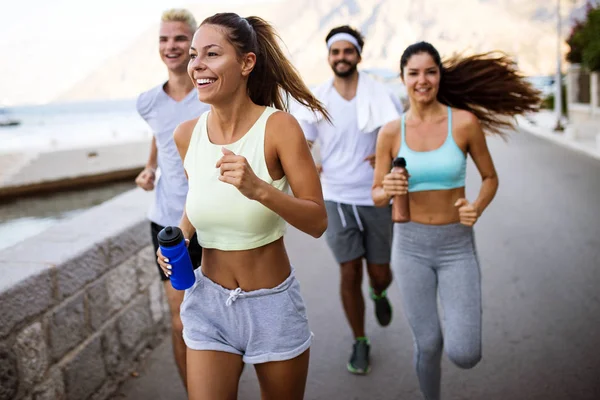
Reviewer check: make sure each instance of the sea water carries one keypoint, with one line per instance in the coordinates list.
(56, 127)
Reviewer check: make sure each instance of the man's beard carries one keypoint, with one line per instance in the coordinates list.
(344, 74)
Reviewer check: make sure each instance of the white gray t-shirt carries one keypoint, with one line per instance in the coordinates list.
(163, 114)
(346, 177)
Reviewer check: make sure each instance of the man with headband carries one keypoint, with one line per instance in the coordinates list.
(359, 105)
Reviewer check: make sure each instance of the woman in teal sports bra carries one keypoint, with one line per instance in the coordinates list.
(434, 254)
(242, 157)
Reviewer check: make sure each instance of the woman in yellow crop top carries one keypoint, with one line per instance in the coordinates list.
(240, 157)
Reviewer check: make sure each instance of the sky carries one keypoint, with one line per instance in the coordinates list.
(47, 46)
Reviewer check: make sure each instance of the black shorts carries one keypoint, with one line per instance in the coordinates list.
(193, 248)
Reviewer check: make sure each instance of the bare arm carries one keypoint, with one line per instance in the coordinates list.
(145, 179)
(186, 226)
(182, 136)
(143, 106)
(477, 148)
(386, 184)
(153, 157)
(311, 132)
(304, 210)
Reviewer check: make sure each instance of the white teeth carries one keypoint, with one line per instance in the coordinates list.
(172, 56)
(205, 81)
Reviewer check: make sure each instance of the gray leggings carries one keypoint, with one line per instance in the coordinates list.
(428, 259)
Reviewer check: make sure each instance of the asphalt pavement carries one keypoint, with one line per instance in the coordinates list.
(539, 247)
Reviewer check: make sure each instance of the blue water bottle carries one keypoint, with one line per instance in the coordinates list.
(172, 246)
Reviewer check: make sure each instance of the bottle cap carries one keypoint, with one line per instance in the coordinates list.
(399, 162)
(170, 236)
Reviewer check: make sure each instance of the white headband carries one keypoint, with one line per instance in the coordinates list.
(344, 36)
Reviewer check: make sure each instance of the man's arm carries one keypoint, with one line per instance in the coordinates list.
(146, 178)
(153, 157)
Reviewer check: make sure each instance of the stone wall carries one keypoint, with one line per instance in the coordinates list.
(80, 303)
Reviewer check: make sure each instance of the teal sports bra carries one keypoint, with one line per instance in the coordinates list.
(440, 169)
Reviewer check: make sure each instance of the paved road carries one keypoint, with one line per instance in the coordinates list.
(539, 246)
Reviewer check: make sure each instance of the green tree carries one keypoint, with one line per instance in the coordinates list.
(591, 40)
(584, 40)
(575, 42)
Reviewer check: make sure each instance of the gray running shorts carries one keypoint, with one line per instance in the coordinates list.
(359, 231)
(261, 325)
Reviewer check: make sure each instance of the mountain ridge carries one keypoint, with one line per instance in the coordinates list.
(525, 31)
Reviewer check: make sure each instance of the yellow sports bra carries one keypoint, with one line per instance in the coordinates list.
(224, 218)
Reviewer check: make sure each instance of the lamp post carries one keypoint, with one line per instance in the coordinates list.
(558, 100)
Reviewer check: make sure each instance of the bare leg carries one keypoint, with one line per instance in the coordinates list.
(283, 379)
(175, 298)
(380, 276)
(352, 297)
(213, 375)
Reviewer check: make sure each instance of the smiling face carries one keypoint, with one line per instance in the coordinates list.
(343, 58)
(422, 78)
(174, 45)
(216, 68)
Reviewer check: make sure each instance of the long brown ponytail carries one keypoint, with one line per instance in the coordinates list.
(273, 78)
(489, 85)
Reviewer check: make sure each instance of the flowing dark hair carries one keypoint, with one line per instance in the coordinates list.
(273, 78)
(489, 85)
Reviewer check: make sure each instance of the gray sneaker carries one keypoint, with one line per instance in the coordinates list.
(359, 360)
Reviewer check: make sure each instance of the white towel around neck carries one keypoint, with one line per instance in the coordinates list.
(374, 105)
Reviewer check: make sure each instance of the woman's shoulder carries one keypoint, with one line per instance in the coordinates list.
(183, 131)
(464, 118)
(466, 125)
(279, 119)
(187, 127)
(391, 129)
(283, 129)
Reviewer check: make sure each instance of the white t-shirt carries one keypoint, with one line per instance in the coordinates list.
(346, 178)
(163, 114)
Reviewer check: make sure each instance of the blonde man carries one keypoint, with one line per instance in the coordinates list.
(163, 108)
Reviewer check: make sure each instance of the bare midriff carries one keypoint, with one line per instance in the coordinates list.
(259, 268)
(435, 207)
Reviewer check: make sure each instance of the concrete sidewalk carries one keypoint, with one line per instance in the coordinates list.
(542, 124)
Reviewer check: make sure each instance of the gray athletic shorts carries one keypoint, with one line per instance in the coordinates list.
(359, 231)
(261, 325)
